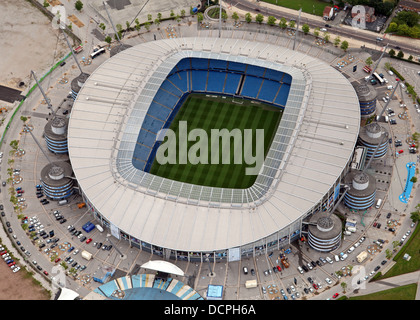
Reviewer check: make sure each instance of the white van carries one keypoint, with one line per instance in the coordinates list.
(390, 87)
(329, 260)
(402, 85)
(378, 203)
(300, 270)
(336, 258)
(63, 202)
(100, 229)
(344, 257)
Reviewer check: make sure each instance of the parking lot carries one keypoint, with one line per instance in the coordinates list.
(46, 250)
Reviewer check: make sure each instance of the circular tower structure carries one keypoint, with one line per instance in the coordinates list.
(372, 135)
(55, 133)
(324, 232)
(367, 99)
(362, 192)
(57, 181)
(78, 83)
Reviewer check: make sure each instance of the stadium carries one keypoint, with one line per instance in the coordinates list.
(311, 115)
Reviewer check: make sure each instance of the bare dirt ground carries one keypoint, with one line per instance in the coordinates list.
(15, 286)
(27, 42)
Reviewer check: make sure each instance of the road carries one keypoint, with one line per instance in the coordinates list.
(343, 31)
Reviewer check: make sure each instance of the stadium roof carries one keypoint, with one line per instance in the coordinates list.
(312, 146)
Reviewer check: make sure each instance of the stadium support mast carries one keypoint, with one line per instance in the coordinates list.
(380, 58)
(71, 49)
(220, 18)
(389, 100)
(297, 29)
(112, 24)
(44, 95)
(39, 145)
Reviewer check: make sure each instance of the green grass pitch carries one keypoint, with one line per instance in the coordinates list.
(217, 112)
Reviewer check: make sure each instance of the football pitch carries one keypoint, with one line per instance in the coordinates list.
(201, 111)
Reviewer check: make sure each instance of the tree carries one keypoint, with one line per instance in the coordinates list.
(326, 36)
(400, 54)
(78, 5)
(392, 52)
(369, 61)
(316, 32)
(147, 25)
(248, 17)
(413, 179)
(149, 17)
(235, 16)
(410, 58)
(159, 16)
(344, 45)
(343, 284)
(305, 28)
(224, 15)
(46, 4)
(387, 65)
(292, 24)
(102, 26)
(337, 41)
(172, 14)
(200, 17)
(283, 23)
(157, 22)
(182, 13)
(108, 39)
(259, 18)
(271, 21)
(393, 27)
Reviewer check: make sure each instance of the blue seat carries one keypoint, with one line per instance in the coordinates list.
(251, 87)
(165, 98)
(234, 66)
(179, 80)
(218, 64)
(159, 112)
(168, 86)
(199, 80)
(153, 124)
(287, 78)
(184, 64)
(216, 81)
(268, 90)
(146, 138)
(255, 71)
(273, 75)
(199, 64)
(232, 82)
(283, 94)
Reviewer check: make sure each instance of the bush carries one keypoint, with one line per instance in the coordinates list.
(397, 74)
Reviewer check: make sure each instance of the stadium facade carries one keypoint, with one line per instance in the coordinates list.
(310, 153)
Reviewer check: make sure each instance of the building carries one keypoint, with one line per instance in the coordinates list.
(369, 14)
(307, 159)
(374, 137)
(328, 13)
(367, 99)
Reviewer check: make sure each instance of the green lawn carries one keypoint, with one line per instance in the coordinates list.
(309, 6)
(201, 112)
(407, 292)
(412, 247)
